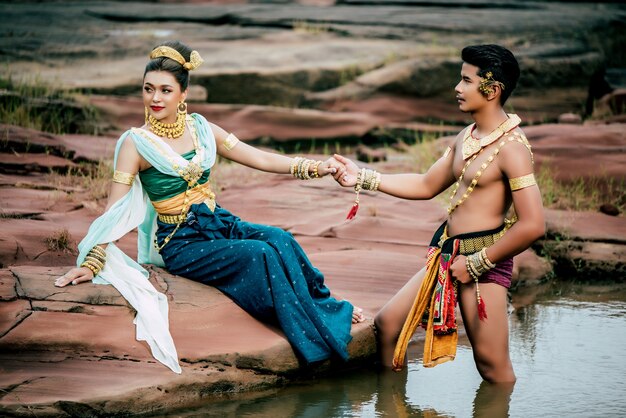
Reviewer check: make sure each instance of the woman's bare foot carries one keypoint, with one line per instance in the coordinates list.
(357, 315)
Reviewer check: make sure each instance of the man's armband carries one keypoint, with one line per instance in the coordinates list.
(123, 178)
(522, 182)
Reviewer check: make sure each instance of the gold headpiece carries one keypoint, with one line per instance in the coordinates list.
(165, 51)
(487, 83)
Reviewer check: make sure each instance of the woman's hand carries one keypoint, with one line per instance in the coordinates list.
(458, 270)
(330, 166)
(74, 276)
(346, 176)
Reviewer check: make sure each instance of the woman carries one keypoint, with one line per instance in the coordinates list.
(161, 185)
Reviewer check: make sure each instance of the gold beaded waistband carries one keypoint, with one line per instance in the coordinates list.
(472, 245)
(475, 244)
(172, 219)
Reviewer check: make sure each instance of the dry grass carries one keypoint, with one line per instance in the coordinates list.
(61, 240)
(580, 194)
(31, 103)
(93, 179)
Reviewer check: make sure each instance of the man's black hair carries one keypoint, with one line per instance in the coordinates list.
(495, 59)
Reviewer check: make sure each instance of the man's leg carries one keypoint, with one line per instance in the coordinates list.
(390, 319)
(489, 338)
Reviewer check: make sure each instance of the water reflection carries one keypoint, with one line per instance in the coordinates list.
(492, 400)
(568, 353)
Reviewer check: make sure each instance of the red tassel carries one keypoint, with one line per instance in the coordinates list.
(482, 310)
(353, 211)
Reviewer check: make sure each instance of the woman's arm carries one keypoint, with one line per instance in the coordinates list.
(128, 161)
(261, 160)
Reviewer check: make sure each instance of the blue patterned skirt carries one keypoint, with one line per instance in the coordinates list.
(265, 271)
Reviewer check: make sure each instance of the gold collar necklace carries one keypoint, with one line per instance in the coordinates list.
(471, 145)
(168, 130)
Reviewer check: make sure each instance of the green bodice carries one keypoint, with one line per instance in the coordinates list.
(160, 186)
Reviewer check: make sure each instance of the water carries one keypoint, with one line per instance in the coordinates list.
(568, 349)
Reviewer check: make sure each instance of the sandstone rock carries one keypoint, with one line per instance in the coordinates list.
(59, 333)
(571, 152)
(367, 154)
(26, 163)
(197, 93)
(570, 118)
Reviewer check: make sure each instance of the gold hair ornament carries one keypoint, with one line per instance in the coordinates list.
(195, 60)
(487, 83)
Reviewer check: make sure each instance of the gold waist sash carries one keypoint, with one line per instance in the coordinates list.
(168, 207)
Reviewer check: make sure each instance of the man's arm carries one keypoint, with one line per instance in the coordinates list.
(407, 186)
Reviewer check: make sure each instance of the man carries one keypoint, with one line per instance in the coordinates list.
(470, 256)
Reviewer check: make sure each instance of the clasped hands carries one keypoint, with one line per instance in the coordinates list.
(343, 170)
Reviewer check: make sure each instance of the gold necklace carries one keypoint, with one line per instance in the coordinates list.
(168, 130)
(471, 145)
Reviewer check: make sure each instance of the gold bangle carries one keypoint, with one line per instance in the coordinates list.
(94, 262)
(123, 178)
(522, 182)
(90, 268)
(316, 174)
(486, 260)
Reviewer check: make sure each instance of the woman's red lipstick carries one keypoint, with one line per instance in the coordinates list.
(157, 108)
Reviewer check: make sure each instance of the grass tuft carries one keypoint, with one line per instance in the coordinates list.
(60, 240)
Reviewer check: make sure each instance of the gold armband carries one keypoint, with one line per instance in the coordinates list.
(230, 142)
(522, 182)
(447, 152)
(123, 178)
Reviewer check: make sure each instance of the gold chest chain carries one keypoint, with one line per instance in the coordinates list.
(515, 136)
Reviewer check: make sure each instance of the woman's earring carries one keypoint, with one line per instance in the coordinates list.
(182, 107)
(146, 114)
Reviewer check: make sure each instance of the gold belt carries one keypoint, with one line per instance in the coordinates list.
(475, 244)
(472, 245)
(172, 219)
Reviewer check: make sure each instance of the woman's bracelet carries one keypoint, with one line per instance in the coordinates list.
(95, 259)
(300, 168)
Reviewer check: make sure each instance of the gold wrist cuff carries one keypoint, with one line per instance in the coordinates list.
(522, 182)
(123, 178)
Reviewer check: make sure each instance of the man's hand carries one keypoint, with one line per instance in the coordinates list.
(458, 270)
(346, 176)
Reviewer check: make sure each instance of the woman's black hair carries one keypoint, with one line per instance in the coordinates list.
(171, 66)
(495, 59)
